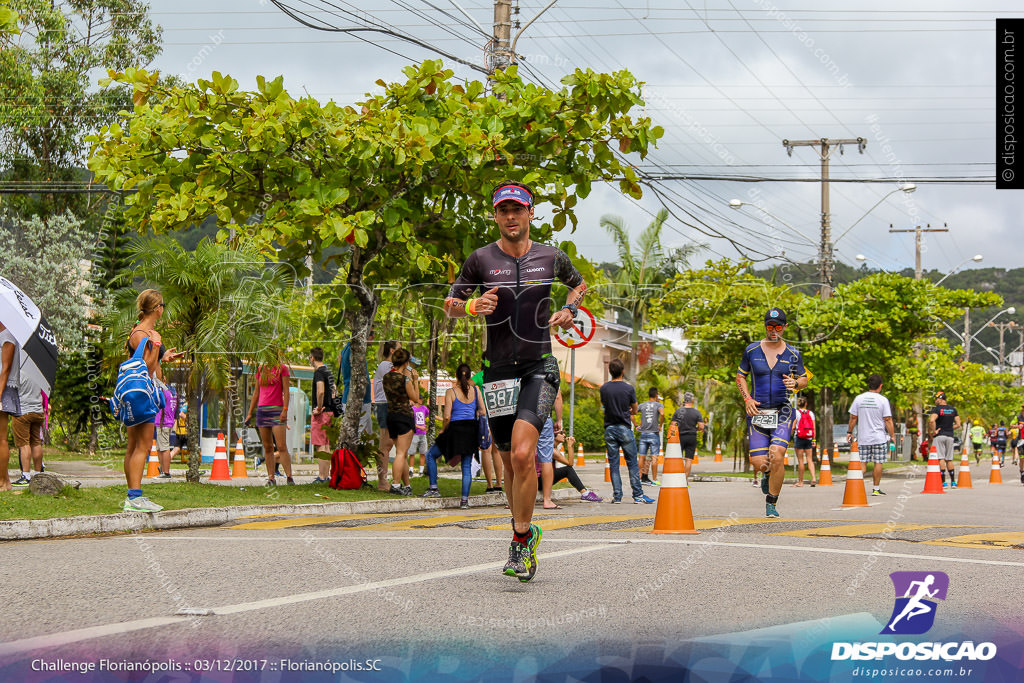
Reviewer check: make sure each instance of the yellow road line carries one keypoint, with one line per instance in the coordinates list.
(565, 523)
(429, 522)
(299, 521)
(997, 539)
(850, 530)
(704, 524)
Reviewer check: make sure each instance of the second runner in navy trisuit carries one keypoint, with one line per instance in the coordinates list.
(776, 369)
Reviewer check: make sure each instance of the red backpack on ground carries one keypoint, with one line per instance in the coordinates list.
(805, 427)
(346, 470)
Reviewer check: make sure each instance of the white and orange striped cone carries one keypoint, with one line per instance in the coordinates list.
(963, 481)
(661, 457)
(674, 515)
(825, 471)
(696, 457)
(220, 471)
(996, 477)
(718, 453)
(580, 460)
(855, 496)
(607, 470)
(835, 452)
(785, 459)
(153, 464)
(622, 458)
(933, 479)
(238, 470)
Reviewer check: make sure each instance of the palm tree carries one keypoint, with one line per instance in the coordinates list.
(224, 306)
(642, 271)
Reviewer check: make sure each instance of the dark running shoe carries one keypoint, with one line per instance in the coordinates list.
(764, 483)
(518, 555)
(770, 511)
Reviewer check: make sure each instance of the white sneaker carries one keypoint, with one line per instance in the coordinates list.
(141, 504)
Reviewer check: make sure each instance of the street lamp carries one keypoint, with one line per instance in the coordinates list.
(907, 187)
(737, 203)
(977, 258)
(864, 259)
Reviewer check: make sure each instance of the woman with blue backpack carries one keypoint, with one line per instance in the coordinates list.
(145, 344)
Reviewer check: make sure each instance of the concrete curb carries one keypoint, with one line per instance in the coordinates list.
(27, 529)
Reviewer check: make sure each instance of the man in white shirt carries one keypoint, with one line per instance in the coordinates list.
(872, 411)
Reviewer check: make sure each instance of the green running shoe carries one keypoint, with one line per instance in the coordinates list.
(770, 511)
(518, 554)
(531, 545)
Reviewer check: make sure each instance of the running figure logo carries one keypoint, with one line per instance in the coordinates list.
(916, 595)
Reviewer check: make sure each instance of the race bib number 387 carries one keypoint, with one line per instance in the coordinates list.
(501, 397)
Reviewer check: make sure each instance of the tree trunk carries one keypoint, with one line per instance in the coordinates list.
(194, 401)
(432, 363)
(360, 322)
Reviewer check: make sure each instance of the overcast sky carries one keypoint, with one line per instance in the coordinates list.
(729, 80)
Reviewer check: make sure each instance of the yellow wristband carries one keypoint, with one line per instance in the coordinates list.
(471, 306)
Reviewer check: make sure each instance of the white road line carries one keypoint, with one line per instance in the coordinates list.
(58, 639)
(67, 637)
(642, 539)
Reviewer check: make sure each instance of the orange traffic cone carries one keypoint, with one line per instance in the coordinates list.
(607, 470)
(785, 459)
(153, 469)
(622, 458)
(835, 452)
(854, 496)
(674, 515)
(220, 471)
(963, 480)
(933, 479)
(825, 472)
(580, 460)
(996, 477)
(661, 457)
(718, 453)
(696, 457)
(238, 467)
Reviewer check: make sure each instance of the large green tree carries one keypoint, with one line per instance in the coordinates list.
(876, 324)
(50, 100)
(403, 177)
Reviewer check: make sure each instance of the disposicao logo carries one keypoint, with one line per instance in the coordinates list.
(916, 595)
(913, 613)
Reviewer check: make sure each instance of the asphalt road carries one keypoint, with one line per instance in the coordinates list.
(422, 592)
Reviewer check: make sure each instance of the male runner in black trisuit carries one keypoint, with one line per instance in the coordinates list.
(521, 376)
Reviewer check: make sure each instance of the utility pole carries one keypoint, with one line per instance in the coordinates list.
(918, 274)
(501, 48)
(918, 230)
(967, 334)
(1002, 345)
(826, 264)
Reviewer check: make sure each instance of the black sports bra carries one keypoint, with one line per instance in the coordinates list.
(131, 349)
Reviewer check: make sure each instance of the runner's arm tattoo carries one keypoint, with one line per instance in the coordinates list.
(575, 297)
(741, 382)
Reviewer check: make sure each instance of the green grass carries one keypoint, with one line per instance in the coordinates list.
(21, 504)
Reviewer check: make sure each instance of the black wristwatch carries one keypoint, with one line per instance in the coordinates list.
(572, 309)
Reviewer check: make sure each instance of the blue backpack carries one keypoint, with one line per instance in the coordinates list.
(136, 398)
